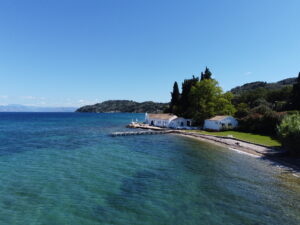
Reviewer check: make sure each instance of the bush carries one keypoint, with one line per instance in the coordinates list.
(242, 110)
(261, 123)
(289, 133)
(261, 109)
(293, 112)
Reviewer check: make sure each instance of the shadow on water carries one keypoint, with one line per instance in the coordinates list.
(131, 190)
(131, 197)
(291, 164)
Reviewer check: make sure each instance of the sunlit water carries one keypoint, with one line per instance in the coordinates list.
(64, 168)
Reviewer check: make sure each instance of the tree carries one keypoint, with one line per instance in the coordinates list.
(185, 103)
(207, 100)
(202, 76)
(296, 94)
(175, 99)
(206, 75)
(250, 97)
(224, 105)
(242, 110)
(289, 133)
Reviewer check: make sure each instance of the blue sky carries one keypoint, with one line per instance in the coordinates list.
(72, 53)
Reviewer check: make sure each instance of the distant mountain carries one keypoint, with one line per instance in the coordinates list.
(260, 84)
(125, 106)
(24, 108)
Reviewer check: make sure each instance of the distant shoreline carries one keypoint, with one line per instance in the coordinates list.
(33, 112)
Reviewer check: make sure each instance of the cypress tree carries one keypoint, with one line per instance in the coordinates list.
(175, 98)
(207, 74)
(185, 104)
(296, 94)
(202, 76)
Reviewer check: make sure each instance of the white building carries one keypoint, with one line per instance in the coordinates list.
(220, 123)
(167, 120)
(180, 123)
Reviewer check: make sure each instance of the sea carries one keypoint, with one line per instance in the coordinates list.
(66, 168)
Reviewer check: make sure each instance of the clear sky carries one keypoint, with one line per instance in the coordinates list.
(71, 53)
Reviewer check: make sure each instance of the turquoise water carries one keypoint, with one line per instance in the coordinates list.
(64, 168)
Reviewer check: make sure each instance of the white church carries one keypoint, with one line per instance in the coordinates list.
(167, 120)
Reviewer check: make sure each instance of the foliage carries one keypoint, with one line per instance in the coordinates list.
(185, 103)
(208, 100)
(175, 99)
(296, 94)
(258, 84)
(206, 75)
(125, 106)
(261, 109)
(261, 123)
(242, 110)
(278, 97)
(201, 99)
(250, 97)
(289, 133)
(259, 105)
(282, 94)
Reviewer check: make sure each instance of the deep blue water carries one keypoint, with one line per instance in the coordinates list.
(64, 168)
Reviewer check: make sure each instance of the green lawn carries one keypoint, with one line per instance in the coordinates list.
(254, 138)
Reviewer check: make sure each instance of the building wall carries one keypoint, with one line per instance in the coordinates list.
(211, 125)
(217, 124)
(174, 122)
(160, 123)
(157, 122)
(179, 123)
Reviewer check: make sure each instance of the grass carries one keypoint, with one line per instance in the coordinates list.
(253, 138)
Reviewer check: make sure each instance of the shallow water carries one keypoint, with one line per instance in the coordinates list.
(64, 168)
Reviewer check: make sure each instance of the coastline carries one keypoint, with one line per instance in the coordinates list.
(276, 156)
(253, 150)
(246, 147)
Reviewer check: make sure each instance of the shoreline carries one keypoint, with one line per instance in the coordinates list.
(250, 149)
(280, 158)
(246, 147)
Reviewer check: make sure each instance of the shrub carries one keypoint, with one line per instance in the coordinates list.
(261, 109)
(289, 133)
(242, 110)
(261, 123)
(292, 112)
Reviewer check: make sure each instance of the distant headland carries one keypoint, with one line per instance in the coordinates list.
(125, 106)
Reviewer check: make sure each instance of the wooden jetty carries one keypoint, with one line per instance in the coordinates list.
(127, 133)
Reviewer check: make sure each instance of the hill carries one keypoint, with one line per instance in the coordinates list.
(260, 84)
(125, 106)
